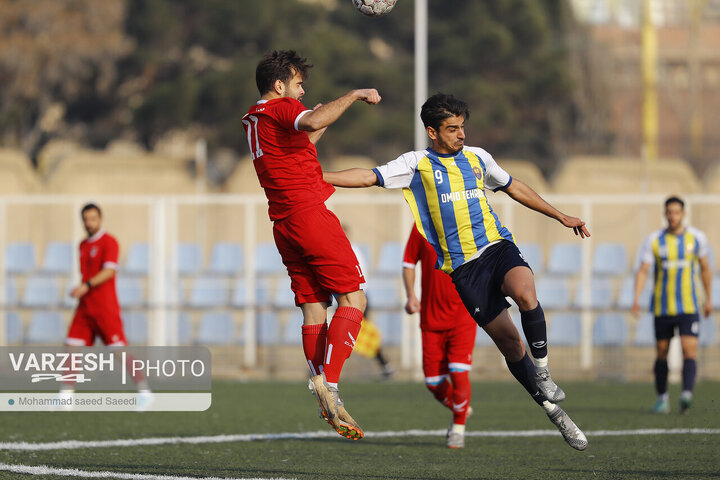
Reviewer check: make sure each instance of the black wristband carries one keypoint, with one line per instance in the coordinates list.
(88, 284)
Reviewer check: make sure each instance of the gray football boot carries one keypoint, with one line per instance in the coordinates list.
(455, 440)
(546, 385)
(570, 432)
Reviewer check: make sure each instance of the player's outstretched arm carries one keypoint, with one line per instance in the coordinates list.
(351, 178)
(522, 193)
(326, 114)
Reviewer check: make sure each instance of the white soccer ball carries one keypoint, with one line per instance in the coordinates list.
(374, 8)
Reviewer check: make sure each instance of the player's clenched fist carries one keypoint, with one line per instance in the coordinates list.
(369, 95)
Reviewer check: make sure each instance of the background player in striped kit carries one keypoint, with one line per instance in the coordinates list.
(445, 188)
(448, 334)
(675, 252)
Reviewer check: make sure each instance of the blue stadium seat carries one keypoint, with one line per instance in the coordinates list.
(610, 329)
(13, 328)
(552, 292)
(292, 334)
(227, 259)
(390, 259)
(135, 325)
(708, 332)
(11, 292)
(268, 260)
(137, 261)
(627, 292)
(384, 294)
(532, 253)
(58, 258)
(601, 294)
(184, 329)
(41, 291)
(644, 331)
(20, 257)
(610, 259)
(390, 326)
(284, 297)
(565, 259)
(216, 328)
(208, 292)
(262, 293)
(268, 328)
(46, 328)
(130, 292)
(189, 258)
(564, 329)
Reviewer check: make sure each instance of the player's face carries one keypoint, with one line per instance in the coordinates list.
(294, 87)
(449, 138)
(674, 214)
(91, 220)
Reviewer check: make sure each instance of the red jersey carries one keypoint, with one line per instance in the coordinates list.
(98, 252)
(440, 304)
(284, 157)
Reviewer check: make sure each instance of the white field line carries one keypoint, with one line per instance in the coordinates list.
(253, 437)
(75, 473)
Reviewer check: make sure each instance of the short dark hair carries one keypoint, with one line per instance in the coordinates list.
(90, 206)
(441, 106)
(279, 65)
(675, 199)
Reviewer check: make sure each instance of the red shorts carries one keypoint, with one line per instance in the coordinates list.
(447, 350)
(86, 326)
(317, 254)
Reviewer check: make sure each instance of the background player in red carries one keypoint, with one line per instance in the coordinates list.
(281, 133)
(448, 333)
(98, 310)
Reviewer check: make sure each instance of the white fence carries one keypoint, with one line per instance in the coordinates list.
(375, 218)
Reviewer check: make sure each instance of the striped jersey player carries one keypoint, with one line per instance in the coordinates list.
(445, 188)
(676, 252)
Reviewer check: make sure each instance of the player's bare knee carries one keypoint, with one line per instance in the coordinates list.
(526, 300)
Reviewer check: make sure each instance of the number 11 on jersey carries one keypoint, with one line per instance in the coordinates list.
(252, 134)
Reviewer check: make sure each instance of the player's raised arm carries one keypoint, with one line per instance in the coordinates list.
(351, 178)
(522, 193)
(326, 114)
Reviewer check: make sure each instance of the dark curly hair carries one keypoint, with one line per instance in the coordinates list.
(279, 65)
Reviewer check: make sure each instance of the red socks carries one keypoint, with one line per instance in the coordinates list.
(443, 392)
(313, 339)
(341, 336)
(460, 396)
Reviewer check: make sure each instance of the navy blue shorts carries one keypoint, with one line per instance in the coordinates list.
(479, 282)
(687, 324)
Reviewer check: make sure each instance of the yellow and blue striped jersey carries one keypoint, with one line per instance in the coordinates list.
(446, 194)
(676, 261)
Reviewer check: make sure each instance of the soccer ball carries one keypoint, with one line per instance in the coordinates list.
(374, 8)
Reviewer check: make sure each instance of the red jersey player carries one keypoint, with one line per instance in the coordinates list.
(98, 310)
(281, 134)
(448, 333)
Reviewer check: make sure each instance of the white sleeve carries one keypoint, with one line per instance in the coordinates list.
(399, 172)
(297, 119)
(703, 247)
(495, 177)
(646, 253)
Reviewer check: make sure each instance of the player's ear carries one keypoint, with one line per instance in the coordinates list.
(279, 87)
(432, 133)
